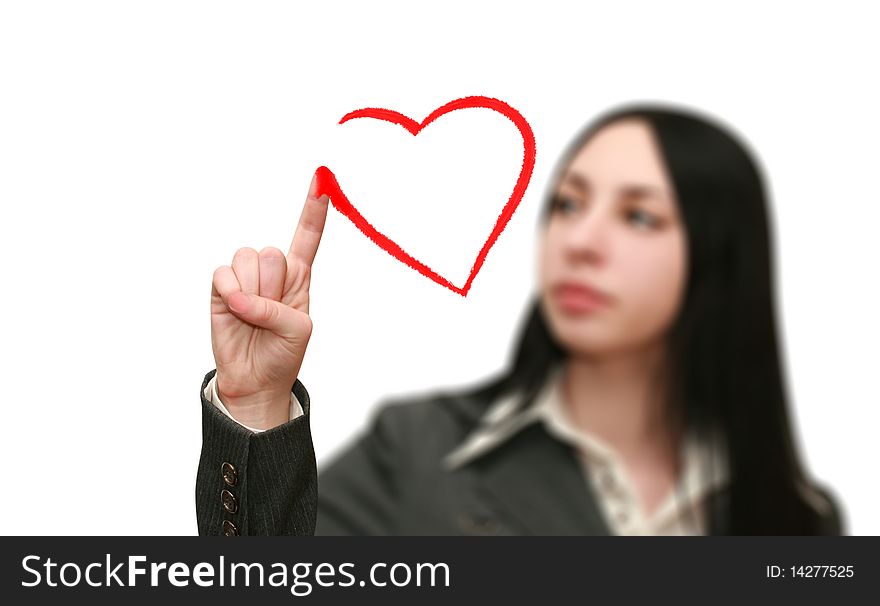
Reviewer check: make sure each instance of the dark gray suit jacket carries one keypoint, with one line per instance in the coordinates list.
(390, 481)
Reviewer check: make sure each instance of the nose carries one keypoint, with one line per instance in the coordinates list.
(587, 238)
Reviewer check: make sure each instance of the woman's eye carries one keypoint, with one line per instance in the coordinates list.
(563, 204)
(640, 217)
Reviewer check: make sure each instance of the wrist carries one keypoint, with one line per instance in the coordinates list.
(263, 411)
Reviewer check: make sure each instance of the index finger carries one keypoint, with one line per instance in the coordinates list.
(311, 225)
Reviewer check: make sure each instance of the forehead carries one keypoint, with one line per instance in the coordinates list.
(622, 152)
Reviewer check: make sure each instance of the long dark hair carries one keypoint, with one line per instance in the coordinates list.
(724, 376)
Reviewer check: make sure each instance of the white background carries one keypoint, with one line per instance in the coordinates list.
(141, 144)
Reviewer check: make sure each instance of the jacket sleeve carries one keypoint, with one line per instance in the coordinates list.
(256, 483)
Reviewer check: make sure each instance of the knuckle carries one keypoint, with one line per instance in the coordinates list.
(307, 325)
(220, 279)
(243, 253)
(270, 252)
(271, 312)
(302, 271)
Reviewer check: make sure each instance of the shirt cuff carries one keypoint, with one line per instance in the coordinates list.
(212, 396)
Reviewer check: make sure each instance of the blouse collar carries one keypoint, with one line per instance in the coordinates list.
(502, 420)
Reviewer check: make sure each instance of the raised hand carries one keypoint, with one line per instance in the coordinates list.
(260, 324)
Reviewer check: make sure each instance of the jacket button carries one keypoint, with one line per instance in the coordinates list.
(476, 524)
(229, 529)
(229, 475)
(607, 481)
(228, 500)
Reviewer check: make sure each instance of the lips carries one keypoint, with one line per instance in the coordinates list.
(579, 298)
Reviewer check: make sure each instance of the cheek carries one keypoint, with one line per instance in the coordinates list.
(548, 259)
(652, 280)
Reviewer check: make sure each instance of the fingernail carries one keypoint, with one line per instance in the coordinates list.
(313, 188)
(239, 302)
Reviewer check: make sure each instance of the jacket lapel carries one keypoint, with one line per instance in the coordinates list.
(534, 482)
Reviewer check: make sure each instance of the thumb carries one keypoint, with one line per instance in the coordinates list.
(265, 313)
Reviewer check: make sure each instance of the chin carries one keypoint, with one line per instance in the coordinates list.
(589, 349)
(582, 340)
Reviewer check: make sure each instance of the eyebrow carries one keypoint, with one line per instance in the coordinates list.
(582, 184)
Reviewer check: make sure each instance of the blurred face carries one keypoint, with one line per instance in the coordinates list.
(612, 260)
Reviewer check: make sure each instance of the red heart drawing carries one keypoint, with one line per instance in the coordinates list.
(327, 183)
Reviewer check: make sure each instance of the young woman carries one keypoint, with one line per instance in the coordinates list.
(646, 395)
